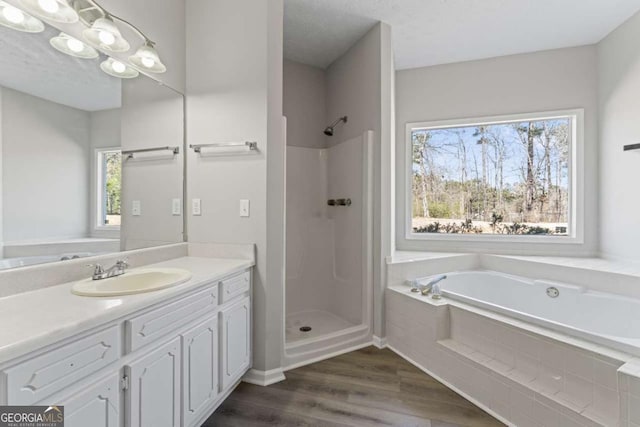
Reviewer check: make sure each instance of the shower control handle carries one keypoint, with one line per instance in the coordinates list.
(339, 202)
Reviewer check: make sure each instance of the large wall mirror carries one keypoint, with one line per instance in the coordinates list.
(90, 163)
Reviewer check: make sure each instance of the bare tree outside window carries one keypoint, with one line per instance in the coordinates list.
(502, 178)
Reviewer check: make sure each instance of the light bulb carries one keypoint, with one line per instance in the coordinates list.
(148, 62)
(75, 45)
(50, 6)
(118, 67)
(106, 38)
(13, 14)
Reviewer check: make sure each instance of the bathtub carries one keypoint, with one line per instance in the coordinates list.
(606, 319)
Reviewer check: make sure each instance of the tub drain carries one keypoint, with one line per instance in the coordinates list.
(305, 329)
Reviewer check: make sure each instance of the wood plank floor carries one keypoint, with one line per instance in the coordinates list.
(369, 387)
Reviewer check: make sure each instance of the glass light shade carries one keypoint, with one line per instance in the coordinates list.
(14, 18)
(147, 59)
(104, 33)
(115, 68)
(72, 46)
(53, 10)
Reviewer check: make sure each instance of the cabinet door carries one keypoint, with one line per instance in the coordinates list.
(96, 406)
(235, 342)
(200, 369)
(154, 390)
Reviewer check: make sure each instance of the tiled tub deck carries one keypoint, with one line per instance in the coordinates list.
(522, 374)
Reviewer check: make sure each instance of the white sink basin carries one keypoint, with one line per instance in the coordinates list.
(132, 282)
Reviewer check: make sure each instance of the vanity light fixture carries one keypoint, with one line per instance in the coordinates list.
(104, 33)
(14, 18)
(100, 31)
(115, 68)
(147, 58)
(53, 10)
(72, 46)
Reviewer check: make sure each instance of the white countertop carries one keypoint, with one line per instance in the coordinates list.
(35, 319)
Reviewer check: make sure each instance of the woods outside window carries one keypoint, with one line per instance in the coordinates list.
(509, 177)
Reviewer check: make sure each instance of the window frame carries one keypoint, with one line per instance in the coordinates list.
(99, 177)
(575, 176)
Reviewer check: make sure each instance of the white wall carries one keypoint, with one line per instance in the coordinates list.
(234, 93)
(359, 86)
(536, 82)
(45, 154)
(304, 105)
(619, 86)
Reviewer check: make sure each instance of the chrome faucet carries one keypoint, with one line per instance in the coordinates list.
(118, 269)
(424, 289)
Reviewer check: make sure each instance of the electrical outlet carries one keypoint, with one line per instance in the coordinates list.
(176, 207)
(195, 207)
(244, 208)
(136, 208)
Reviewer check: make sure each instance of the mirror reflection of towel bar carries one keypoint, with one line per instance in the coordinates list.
(130, 153)
(252, 145)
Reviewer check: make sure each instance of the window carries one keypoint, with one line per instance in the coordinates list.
(109, 179)
(501, 177)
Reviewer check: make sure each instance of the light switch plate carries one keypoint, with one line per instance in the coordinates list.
(136, 208)
(244, 208)
(176, 207)
(195, 207)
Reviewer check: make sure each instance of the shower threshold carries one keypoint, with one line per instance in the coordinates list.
(329, 335)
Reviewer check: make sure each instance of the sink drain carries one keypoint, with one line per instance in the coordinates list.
(305, 329)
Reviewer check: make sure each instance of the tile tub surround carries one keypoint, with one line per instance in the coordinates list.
(34, 320)
(522, 374)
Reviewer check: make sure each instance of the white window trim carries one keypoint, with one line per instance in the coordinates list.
(99, 190)
(575, 173)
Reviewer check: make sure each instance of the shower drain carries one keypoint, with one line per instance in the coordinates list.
(305, 329)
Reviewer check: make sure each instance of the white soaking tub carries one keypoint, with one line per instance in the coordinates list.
(606, 319)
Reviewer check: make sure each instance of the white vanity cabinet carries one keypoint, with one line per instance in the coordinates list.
(97, 406)
(153, 398)
(166, 366)
(235, 343)
(200, 369)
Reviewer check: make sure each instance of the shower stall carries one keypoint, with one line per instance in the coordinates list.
(328, 263)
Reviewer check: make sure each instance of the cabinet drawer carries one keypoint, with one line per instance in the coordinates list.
(44, 375)
(235, 286)
(155, 324)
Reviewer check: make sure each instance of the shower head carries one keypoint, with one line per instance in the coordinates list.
(329, 129)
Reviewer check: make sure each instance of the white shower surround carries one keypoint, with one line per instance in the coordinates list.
(526, 358)
(328, 249)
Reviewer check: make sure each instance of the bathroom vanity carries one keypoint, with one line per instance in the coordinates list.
(164, 358)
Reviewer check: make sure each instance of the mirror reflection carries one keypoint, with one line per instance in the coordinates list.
(67, 190)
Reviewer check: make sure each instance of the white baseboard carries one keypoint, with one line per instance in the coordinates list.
(379, 342)
(264, 378)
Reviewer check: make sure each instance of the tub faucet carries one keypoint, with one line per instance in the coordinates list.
(118, 269)
(424, 289)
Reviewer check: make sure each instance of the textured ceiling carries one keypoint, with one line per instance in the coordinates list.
(29, 64)
(431, 32)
